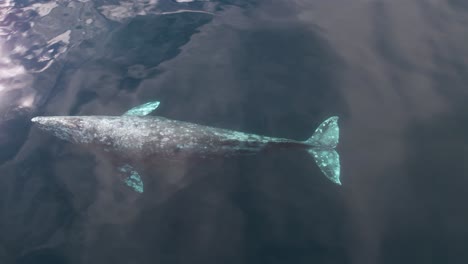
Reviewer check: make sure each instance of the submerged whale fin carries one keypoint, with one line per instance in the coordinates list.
(143, 109)
(323, 143)
(131, 178)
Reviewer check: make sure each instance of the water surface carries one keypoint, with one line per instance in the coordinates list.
(396, 72)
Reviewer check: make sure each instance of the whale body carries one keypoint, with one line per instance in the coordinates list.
(137, 135)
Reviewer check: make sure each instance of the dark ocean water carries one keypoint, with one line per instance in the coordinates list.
(395, 72)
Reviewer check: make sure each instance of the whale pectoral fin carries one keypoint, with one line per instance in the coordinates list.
(328, 160)
(131, 178)
(143, 109)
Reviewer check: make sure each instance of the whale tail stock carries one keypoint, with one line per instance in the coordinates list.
(322, 147)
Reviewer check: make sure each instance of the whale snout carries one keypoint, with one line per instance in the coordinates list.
(65, 127)
(56, 122)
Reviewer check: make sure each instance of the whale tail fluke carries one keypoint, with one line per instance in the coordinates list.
(322, 147)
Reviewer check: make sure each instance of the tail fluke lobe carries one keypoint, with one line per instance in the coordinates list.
(326, 135)
(322, 147)
(328, 161)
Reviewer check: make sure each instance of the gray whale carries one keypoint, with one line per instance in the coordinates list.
(137, 135)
